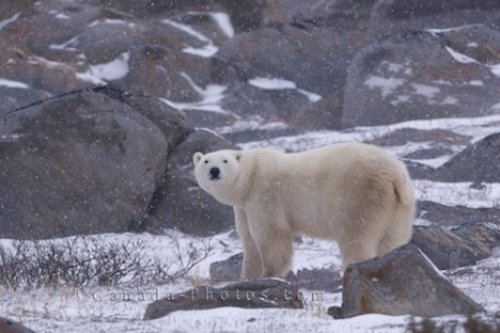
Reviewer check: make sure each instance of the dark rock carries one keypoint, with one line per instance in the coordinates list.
(401, 282)
(259, 293)
(483, 236)
(479, 162)
(393, 16)
(348, 14)
(179, 203)
(429, 153)
(15, 98)
(156, 70)
(77, 164)
(419, 170)
(10, 326)
(39, 74)
(457, 215)
(118, 35)
(10, 8)
(172, 123)
(416, 75)
(312, 279)
(477, 42)
(304, 57)
(226, 270)
(452, 249)
(401, 137)
(245, 15)
(314, 60)
(319, 279)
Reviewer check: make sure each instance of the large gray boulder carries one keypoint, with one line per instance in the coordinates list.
(393, 16)
(462, 246)
(401, 282)
(301, 72)
(478, 163)
(421, 75)
(77, 164)
(443, 215)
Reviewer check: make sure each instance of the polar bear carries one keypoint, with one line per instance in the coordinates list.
(356, 194)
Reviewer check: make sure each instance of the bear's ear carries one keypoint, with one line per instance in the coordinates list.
(197, 157)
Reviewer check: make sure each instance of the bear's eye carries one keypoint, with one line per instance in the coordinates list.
(225, 161)
(206, 161)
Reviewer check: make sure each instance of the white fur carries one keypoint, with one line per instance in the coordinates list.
(355, 194)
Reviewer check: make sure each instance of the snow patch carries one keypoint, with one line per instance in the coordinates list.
(475, 127)
(13, 84)
(425, 90)
(460, 57)
(70, 45)
(387, 86)
(254, 123)
(400, 99)
(281, 84)
(451, 29)
(110, 21)
(224, 22)
(449, 100)
(62, 16)
(9, 138)
(476, 83)
(211, 96)
(495, 69)
(8, 21)
(206, 51)
(272, 83)
(113, 70)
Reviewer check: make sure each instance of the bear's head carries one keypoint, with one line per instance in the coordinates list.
(217, 172)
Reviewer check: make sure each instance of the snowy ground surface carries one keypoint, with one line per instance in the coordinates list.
(120, 309)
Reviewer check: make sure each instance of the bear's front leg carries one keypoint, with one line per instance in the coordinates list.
(274, 242)
(252, 265)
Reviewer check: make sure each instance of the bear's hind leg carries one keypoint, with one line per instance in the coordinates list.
(395, 237)
(357, 250)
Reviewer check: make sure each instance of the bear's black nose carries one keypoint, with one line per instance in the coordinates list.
(214, 173)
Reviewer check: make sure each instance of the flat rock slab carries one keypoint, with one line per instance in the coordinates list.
(10, 326)
(259, 293)
(401, 282)
(313, 279)
(458, 247)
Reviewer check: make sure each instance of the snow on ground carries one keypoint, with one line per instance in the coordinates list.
(13, 84)
(458, 194)
(8, 21)
(281, 84)
(207, 51)
(477, 128)
(120, 309)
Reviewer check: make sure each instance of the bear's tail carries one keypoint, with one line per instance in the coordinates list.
(403, 189)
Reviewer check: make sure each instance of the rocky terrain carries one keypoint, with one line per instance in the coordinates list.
(103, 103)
